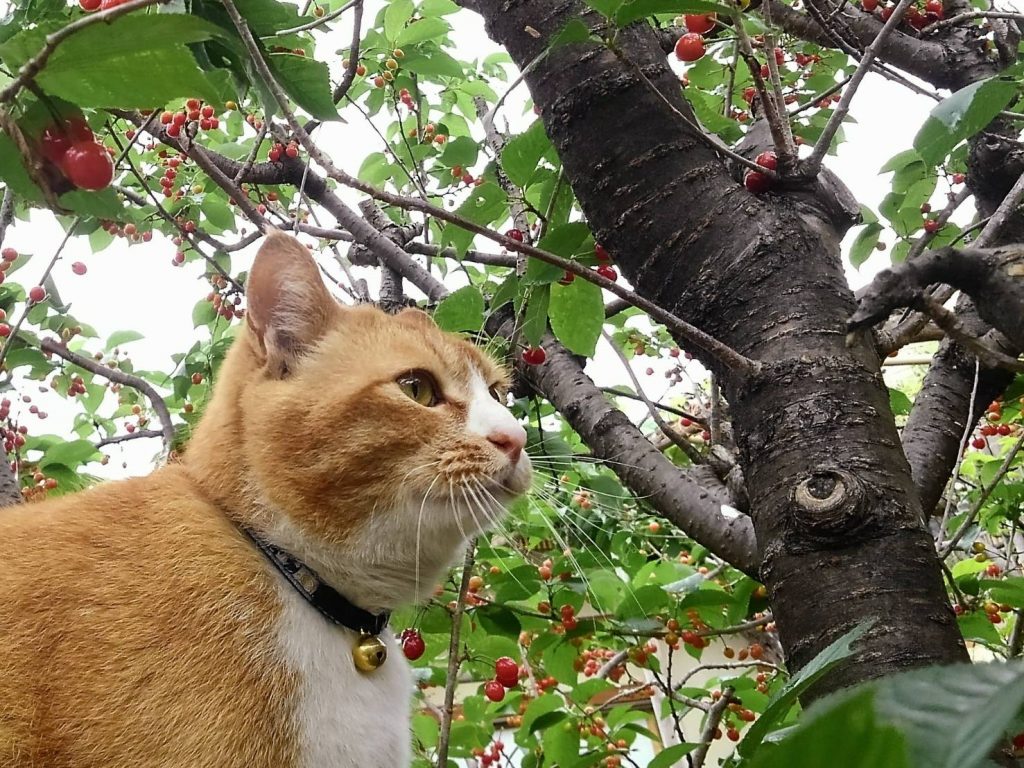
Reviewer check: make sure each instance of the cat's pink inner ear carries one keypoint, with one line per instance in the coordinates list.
(289, 308)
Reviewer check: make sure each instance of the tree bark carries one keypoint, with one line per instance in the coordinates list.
(835, 514)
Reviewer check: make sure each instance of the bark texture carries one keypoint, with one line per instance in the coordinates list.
(834, 509)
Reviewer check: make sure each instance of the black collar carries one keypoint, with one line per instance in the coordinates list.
(331, 604)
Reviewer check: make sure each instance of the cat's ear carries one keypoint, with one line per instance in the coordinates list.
(415, 316)
(289, 307)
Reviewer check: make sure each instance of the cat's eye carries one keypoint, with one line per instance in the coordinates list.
(421, 387)
(497, 393)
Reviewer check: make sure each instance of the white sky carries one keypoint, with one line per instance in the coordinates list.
(137, 287)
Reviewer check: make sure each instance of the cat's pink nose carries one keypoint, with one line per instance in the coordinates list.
(511, 443)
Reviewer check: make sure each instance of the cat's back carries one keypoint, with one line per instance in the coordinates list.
(129, 614)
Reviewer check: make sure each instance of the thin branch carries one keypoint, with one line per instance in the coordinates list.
(117, 439)
(983, 495)
(451, 682)
(812, 165)
(319, 22)
(35, 65)
(660, 406)
(118, 377)
(952, 324)
(714, 717)
(954, 20)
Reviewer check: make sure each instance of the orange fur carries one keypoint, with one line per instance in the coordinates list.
(138, 626)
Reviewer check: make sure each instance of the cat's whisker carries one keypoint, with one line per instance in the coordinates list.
(419, 531)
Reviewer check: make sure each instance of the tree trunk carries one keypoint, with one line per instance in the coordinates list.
(835, 512)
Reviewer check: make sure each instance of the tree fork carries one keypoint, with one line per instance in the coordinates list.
(765, 276)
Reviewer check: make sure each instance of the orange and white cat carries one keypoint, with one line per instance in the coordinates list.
(140, 627)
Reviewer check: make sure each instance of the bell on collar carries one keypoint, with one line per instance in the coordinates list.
(369, 653)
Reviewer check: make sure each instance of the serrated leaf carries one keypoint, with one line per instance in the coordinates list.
(522, 154)
(307, 82)
(203, 313)
(217, 213)
(145, 62)
(396, 13)
(961, 115)
(864, 244)
(432, 63)
(565, 241)
(577, 315)
(904, 158)
(671, 755)
(462, 310)
(70, 454)
(424, 29)
(117, 338)
(786, 697)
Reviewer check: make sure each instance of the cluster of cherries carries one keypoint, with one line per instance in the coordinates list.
(195, 112)
(491, 756)
(758, 182)
(390, 65)
(14, 436)
(35, 294)
(993, 414)
(690, 47)
(430, 134)
(459, 173)
(506, 675)
(290, 150)
(915, 17)
(71, 146)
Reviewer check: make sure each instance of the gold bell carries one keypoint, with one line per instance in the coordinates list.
(369, 653)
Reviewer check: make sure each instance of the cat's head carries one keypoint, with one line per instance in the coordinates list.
(375, 443)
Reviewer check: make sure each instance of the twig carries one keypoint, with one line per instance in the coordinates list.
(714, 717)
(251, 159)
(118, 377)
(1002, 213)
(716, 412)
(677, 440)
(943, 216)
(35, 65)
(451, 681)
(951, 323)
(779, 106)
(968, 428)
(6, 213)
(812, 165)
(983, 495)
(659, 406)
(953, 20)
(319, 22)
(129, 436)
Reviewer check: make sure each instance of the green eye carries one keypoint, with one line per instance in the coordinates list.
(419, 386)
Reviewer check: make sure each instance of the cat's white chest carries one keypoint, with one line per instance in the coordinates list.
(343, 718)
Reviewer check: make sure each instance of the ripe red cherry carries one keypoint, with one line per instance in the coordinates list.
(36, 294)
(700, 23)
(412, 644)
(8, 254)
(534, 355)
(979, 443)
(79, 268)
(567, 278)
(933, 6)
(689, 47)
(56, 140)
(515, 234)
(5, 330)
(494, 690)
(88, 165)
(506, 672)
(89, 5)
(767, 160)
(931, 226)
(869, 5)
(756, 182)
(600, 253)
(959, 178)
(607, 272)
(887, 12)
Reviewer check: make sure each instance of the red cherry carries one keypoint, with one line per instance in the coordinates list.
(756, 182)
(887, 12)
(700, 23)
(88, 165)
(869, 5)
(931, 226)
(979, 443)
(607, 272)
(79, 268)
(567, 278)
(291, 150)
(748, 95)
(8, 254)
(515, 234)
(1003, 430)
(412, 644)
(934, 6)
(780, 56)
(5, 330)
(506, 672)
(600, 253)
(690, 47)
(89, 5)
(56, 140)
(534, 355)
(1018, 741)
(36, 294)
(959, 178)
(767, 160)
(494, 690)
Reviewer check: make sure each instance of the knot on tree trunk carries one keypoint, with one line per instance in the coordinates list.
(827, 502)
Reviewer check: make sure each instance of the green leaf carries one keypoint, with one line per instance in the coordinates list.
(548, 719)
(576, 31)
(203, 313)
(670, 756)
(953, 716)
(432, 63)
(606, 8)
(899, 402)
(462, 310)
(577, 315)
(218, 213)
(13, 173)
(845, 725)
(864, 244)
(264, 17)
(424, 29)
(70, 454)
(961, 115)
(786, 697)
(145, 62)
(103, 204)
(522, 154)
(634, 10)
(307, 82)
(498, 620)
(118, 338)
(561, 744)
(565, 241)
(535, 322)
(396, 14)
